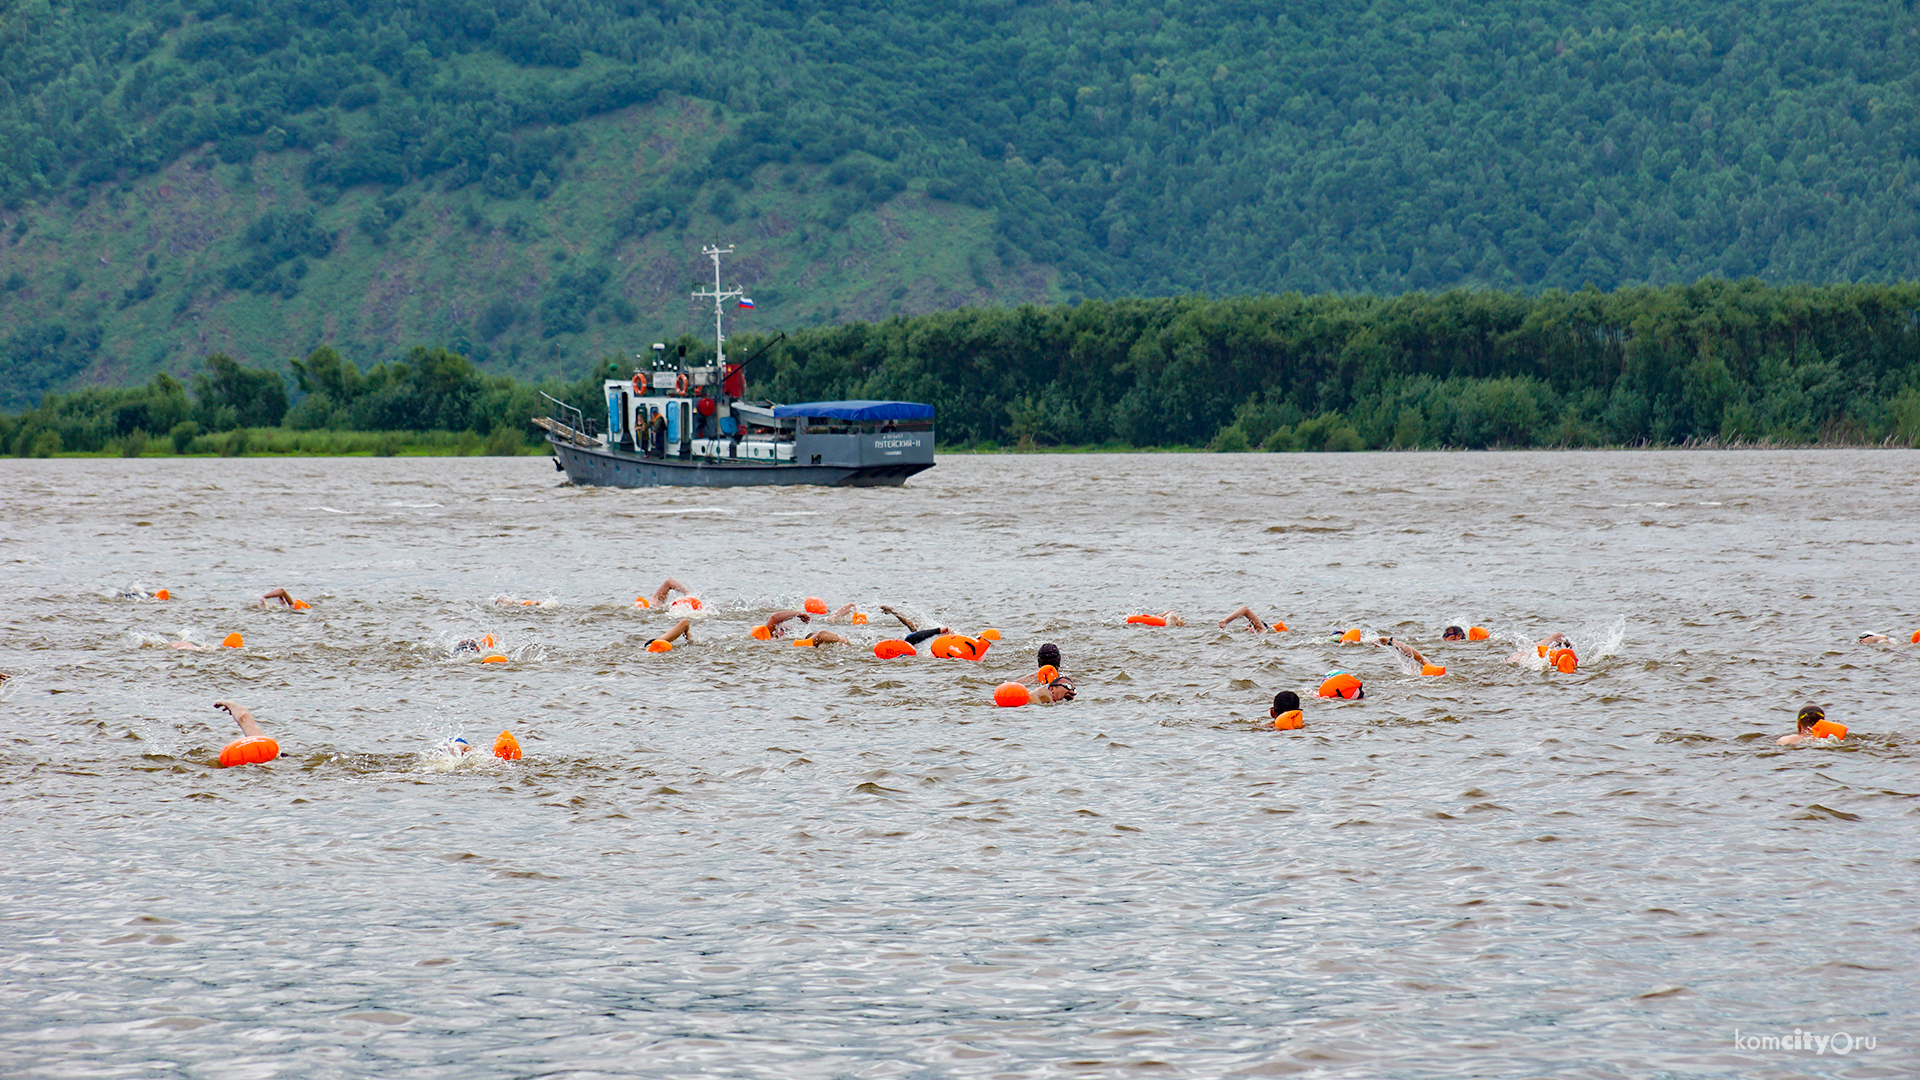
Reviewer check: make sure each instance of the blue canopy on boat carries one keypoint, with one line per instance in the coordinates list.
(858, 410)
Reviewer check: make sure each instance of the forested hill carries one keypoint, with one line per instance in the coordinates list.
(530, 182)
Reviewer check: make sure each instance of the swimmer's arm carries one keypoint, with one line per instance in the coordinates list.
(845, 609)
(240, 716)
(774, 620)
(904, 621)
(277, 594)
(667, 586)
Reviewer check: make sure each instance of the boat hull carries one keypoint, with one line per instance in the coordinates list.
(600, 467)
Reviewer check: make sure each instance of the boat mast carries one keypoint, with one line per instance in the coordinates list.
(719, 311)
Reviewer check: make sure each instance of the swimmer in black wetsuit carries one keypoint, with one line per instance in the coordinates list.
(915, 635)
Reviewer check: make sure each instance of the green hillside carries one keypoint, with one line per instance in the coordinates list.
(530, 184)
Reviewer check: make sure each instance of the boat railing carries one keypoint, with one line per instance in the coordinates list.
(575, 432)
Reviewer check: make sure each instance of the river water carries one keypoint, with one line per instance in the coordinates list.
(745, 859)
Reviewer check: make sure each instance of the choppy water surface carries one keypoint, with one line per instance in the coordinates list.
(746, 859)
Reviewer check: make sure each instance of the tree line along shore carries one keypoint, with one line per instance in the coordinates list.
(1714, 362)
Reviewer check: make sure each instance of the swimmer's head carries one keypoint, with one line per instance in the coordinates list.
(1454, 633)
(1285, 701)
(466, 645)
(1059, 684)
(1050, 655)
(1811, 715)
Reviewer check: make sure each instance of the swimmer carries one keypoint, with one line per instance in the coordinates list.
(1050, 655)
(1060, 689)
(1286, 711)
(286, 600)
(774, 621)
(1403, 648)
(1454, 633)
(466, 645)
(1871, 638)
(242, 717)
(671, 585)
(1253, 621)
(1541, 648)
(915, 635)
(844, 613)
(1808, 727)
(681, 629)
(823, 637)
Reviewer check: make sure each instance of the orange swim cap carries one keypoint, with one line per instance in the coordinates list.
(815, 606)
(761, 633)
(506, 747)
(1010, 695)
(657, 645)
(251, 750)
(487, 641)
(1350, 636)
(1565, 660)
(496, 658)
(803, 643)
(989, 635)
(1277, 626)
(859, 619)
(1432, 669)
(893, 648)
(1916, 633)
(1477, 633)
(642, 602)
(165, 595)
(1290, 720)
(233, 640)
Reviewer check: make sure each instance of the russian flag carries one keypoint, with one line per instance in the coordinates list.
(744, 302)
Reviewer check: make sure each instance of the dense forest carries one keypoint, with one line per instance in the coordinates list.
(1716, 363)
(526, 183)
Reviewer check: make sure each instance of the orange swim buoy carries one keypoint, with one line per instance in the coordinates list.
(1046, 674)
(1827, 729)
(966, 648)
(233, 640)
(685, 603)
(1564, 660)
(893, 648)
(1146, 620)
(657, 645)
(302, 605)
(1477, 633)
(1277, 626)
(1342, 685)
(1290, 720)
(989, 634)
(1351, 637)
(251, 750)
(937, 648)
(1915, 641)
(496, 658)
(642, 602)
(803, 643)
(163, 594)
(487, 640)
(859, 619)
(761, 633)
(815, 606)
(1432, 669)
(1009, 695)
(506, 747)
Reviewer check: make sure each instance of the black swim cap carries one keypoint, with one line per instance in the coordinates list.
(1050, 654)
(1285, 701)
(1812, 714)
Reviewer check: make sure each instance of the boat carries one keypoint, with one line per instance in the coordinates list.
(675, 425)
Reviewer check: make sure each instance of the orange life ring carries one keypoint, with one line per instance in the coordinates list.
(680, 385)
(636, 383)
